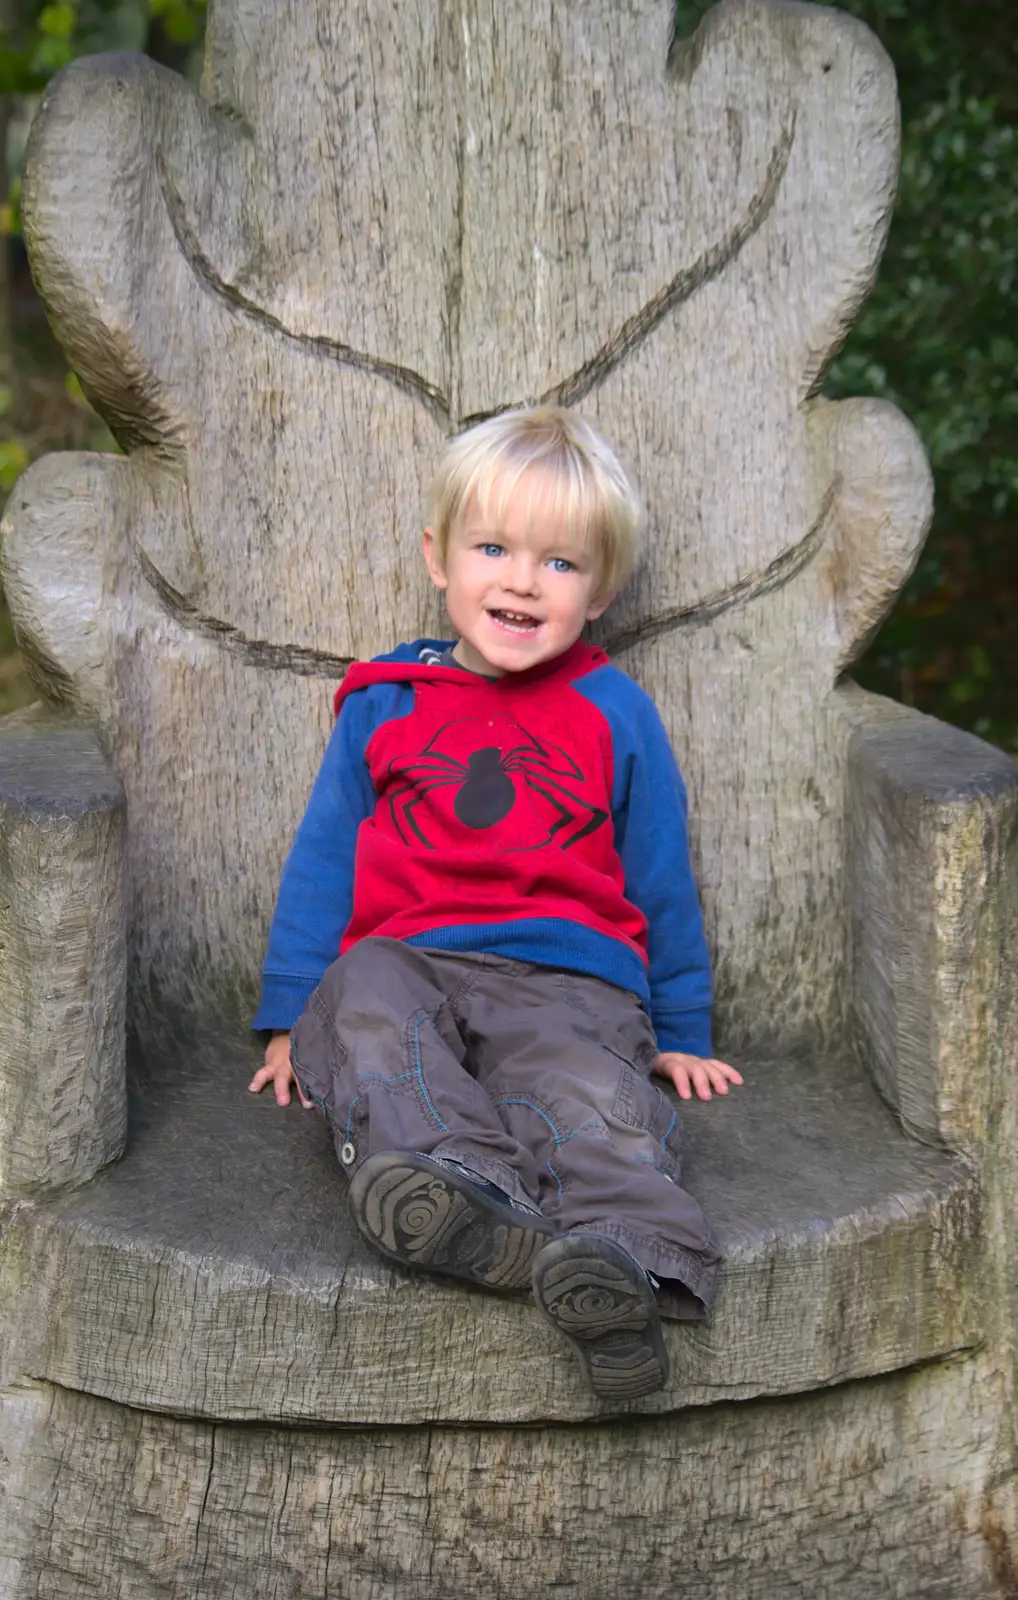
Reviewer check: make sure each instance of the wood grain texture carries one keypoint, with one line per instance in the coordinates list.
(936, 967)
(213, 803)
(892, 1489)
(285, 293)
(934, 815)
(63, 1099)
(216, 1271)
(499, 206)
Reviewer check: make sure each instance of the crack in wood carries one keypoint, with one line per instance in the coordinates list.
(569, 391)
(299, 658)
(321, 344)
(309, 662)
(683, 286)
(200, 1518)
(775, 575)
(710, 264)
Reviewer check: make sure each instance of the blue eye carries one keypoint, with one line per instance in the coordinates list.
(560, 564)
(493, 550)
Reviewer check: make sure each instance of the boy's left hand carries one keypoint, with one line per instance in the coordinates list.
(689, 1073)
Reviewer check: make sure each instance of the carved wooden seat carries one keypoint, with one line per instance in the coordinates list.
(283, 295)
(220, 1249)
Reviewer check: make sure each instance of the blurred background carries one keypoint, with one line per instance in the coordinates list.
(938, 336)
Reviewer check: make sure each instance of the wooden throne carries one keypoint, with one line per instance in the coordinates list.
(373, 225)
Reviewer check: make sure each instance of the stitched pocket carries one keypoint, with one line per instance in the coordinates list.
(615, 1018)
(640, 1104)
(317, 1054)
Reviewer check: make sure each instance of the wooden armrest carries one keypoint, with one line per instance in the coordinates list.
(63, 1107)
(932, 817)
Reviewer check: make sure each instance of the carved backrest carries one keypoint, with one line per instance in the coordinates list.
(374, 225)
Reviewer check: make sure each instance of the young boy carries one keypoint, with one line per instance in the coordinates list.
(496, 847)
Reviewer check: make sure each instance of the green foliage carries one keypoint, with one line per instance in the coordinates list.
(15, 689)
(42, 38)
(183, 20)
(10, 210)
(14, 459)
(939, 337)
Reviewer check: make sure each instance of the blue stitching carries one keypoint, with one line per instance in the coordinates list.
(591, 1122)
(420, 1071)
(559, 1138)
(521, 1100)
(417, 1072)
(303, 1087)
(349, 1117)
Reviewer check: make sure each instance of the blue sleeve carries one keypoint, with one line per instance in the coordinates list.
(315, 898)
(649, 809)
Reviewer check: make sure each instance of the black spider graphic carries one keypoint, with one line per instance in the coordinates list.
(485, 790)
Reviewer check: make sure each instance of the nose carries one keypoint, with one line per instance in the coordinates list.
(520, 576)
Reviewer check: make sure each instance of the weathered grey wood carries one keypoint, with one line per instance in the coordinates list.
(222, 1241)
(284, 295)
(63, 1099)
(171, 707)
(892, 1489)
(934, 817)
(502, 205)
(964, 833)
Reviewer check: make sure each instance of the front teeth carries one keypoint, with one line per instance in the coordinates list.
(515, 616)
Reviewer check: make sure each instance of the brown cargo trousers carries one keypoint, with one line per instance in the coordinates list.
(535, 1079)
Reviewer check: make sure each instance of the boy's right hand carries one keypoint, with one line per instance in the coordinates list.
(278, 1071)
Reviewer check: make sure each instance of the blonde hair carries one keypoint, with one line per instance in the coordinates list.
(591, 490)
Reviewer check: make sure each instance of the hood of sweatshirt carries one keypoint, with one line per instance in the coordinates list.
(404, 665)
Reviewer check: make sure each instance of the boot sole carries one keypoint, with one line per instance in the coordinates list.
(595, 1294)
(424, 1216)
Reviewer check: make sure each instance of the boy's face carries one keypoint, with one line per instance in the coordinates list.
(518, 588)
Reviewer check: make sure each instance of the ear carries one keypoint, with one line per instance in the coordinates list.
(600, 607)
(436, 570)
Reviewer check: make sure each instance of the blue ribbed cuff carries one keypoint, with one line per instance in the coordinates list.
(546, 942)
(284, 996)
(688, 1031)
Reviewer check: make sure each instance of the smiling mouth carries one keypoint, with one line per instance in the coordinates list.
(515, 621)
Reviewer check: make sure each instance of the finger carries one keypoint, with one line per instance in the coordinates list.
(717, 1079)
(721, 1075)
(680, 1077)
(283, 1087)
(260, 1079)
(305, 1102)
(701, 1080)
